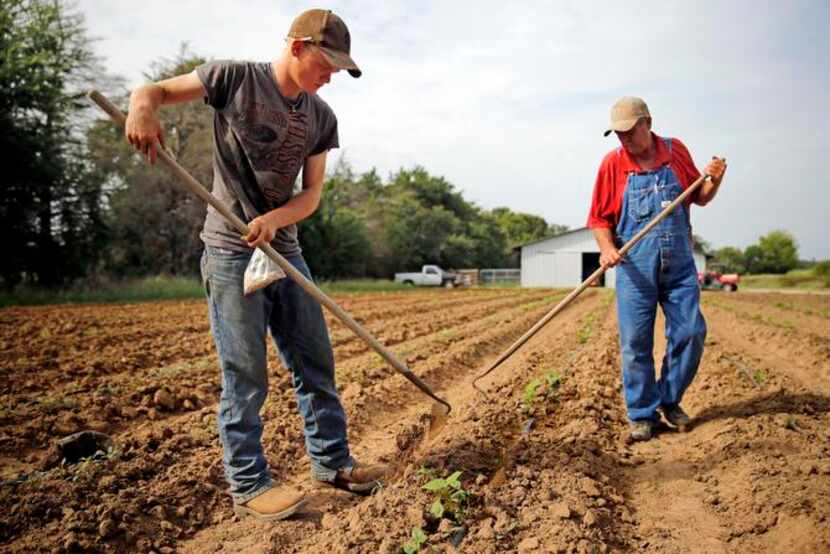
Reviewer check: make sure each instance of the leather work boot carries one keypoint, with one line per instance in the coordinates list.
(677, 417)
(273, 505)
(641, 430)
(360, 479)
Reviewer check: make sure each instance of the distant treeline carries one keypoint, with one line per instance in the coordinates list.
(79, 203)
(775, 252)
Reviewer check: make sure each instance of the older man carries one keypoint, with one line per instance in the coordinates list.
(635, 181)
(269, 124)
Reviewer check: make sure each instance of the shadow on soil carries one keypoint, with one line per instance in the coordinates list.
(779, 402)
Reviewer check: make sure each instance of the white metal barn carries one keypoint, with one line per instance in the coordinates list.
(567, 259)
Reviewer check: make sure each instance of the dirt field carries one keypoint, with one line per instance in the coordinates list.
(546, 463)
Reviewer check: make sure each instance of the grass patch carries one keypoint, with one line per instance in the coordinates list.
(806, 279)
(133, 290)
(365, 285)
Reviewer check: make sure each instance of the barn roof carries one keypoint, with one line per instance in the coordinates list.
(570, 232)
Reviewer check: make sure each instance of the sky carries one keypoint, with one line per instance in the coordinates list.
(508, 100)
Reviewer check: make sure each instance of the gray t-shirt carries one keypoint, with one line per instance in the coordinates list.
(261, 141)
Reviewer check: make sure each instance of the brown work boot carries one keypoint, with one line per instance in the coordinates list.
(360, 479)
(272, 505)
(677, 417)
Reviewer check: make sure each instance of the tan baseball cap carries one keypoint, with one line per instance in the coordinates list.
(626, 113)
(327, 32)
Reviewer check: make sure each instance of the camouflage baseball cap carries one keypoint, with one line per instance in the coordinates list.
(327, 32)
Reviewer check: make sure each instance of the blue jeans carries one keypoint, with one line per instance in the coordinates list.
(660, 269)
(643, 282)
(239, 324)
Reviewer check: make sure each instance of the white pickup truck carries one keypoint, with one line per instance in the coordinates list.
(430, 276)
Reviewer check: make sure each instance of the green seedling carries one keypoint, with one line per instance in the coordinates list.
(530, 394)
(791, 423)
(452, 498)
(553, 380)
(537, 388)
(584, 333)
(760, 377)
(415, 542)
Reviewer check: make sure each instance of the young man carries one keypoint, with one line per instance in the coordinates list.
(268, 124)
(635, 182)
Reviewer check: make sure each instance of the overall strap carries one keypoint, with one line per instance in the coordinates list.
(667, 142)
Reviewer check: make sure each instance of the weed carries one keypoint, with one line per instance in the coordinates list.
(447, 334)
(760, 377)
(452, 498)
(791, 423)
(416, 540)
(530, 393)
(536, 389)
(584, 333)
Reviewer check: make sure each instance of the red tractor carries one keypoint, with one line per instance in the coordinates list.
(715, 280)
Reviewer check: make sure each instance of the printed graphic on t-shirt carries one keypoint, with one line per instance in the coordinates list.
(275, 143)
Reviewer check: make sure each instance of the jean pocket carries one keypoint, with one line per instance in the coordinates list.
(641, 204)
(203, 270)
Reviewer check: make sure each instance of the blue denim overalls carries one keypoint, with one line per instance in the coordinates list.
(659, 269)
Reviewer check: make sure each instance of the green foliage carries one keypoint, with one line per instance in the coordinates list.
(451, 498)
(797, 278)
(154, 222)
(760, 377)
(776, 252)
(79, 201)
(147, 289)
(539, 391)
(51, 208)
(822, 270)
(412, 219)
(584, 333)
(416, 540)
(701, 244)
(730, 260)
(530, 393)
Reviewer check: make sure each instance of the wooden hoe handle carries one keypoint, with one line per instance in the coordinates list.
(196, 188)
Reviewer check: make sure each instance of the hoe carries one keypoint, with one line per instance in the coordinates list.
(587, 282)
(199, 190)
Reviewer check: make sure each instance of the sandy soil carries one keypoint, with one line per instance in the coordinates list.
(550, 472)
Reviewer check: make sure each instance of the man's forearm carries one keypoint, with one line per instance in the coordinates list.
(296, 209)
(604, 237)
(147, 97)
(707, 193)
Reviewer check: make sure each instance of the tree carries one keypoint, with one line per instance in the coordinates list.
(731, 259)
(50, 208)
(780, 251)
(520, 228)
(776, 252)
(700, 244)
(335, 239)
(753, 259)
(154, 222)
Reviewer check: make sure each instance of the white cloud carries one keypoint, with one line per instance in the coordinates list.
(508, 100)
